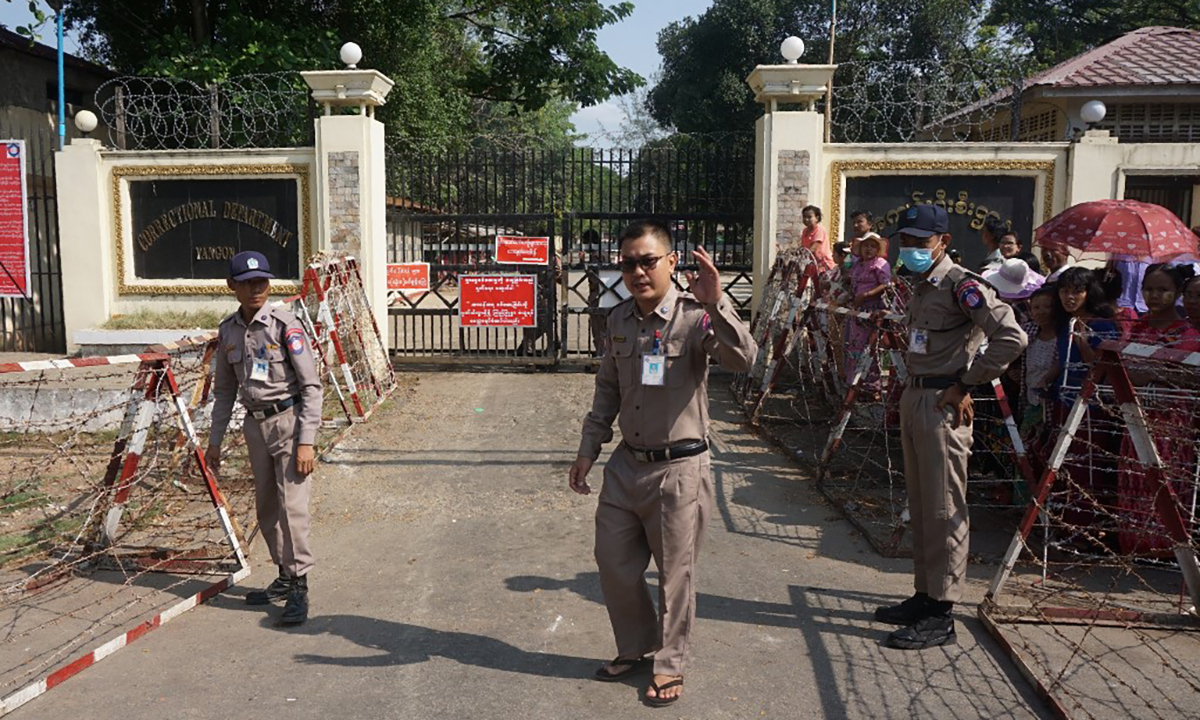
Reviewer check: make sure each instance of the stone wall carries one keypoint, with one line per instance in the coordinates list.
(345, 230)
(791, 195)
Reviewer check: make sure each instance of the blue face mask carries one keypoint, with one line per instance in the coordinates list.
(916, 259)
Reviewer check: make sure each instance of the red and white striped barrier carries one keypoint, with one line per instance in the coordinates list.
(85, 661)
(68, 363)
(1152, 352)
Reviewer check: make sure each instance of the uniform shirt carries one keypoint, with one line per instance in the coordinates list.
(957, 311)
(655, 417)
(275, 334)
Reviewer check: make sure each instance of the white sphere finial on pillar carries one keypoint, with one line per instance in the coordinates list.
(86, 121)
(791, 49)
(351, 54)
(1092, 112)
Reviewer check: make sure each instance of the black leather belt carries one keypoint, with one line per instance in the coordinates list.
(273, 410)
(674, 452)
(932, 382)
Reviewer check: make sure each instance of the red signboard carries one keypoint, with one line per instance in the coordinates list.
(497, 301)
(14, 234)
(522, 250)
(408, 278)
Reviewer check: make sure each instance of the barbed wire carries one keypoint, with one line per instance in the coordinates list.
(888, 102)
(246, 111)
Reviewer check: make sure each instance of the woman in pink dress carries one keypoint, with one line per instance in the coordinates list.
(869, 278)
(815, 239)
(1170, 418)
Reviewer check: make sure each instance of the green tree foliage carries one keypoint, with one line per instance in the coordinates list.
(706, 59)
(1055, 30)
(459, 67)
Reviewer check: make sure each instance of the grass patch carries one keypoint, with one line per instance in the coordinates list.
(145, 319)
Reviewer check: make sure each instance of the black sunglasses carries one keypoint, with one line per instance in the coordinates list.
(646, 262)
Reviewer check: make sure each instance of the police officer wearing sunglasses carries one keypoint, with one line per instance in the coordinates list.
(657, 491)
(951, 313)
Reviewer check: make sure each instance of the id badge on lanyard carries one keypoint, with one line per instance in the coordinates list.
(918, 341)
(261, 370)
(654, 365)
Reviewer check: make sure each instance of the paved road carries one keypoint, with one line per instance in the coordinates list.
(455, 580)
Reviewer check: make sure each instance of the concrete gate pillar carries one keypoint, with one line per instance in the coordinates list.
(350, 177)
(787, 156)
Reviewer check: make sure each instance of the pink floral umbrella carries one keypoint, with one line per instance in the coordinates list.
(1125, 229)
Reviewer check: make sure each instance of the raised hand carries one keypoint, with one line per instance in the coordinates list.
(705, 285)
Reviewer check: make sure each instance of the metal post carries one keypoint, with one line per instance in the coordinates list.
(62, 93)
(829, 87)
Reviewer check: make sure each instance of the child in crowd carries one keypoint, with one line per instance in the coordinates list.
(1086, 320)
(869, 278)
(1041, 362)
(1171, 420)
(860, 223)
(815, 239)
(839, 276)
(1191, 301)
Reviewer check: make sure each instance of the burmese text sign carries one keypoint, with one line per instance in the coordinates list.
(498, 301)
(408, 278)
(14, 228)
(511, 250)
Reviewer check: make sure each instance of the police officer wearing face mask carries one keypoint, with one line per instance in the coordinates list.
(951, 313)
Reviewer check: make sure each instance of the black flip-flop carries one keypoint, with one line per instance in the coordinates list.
(658, 700)
(603, 675)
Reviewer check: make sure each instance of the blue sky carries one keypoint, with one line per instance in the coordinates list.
(631, 43)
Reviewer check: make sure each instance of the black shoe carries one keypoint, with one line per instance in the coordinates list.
(927, 633)
(296, 609)
(917, 607)
(277, 590)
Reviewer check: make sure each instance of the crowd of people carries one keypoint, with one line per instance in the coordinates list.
(1066, 310)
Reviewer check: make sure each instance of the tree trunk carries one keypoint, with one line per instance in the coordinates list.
(200, 22)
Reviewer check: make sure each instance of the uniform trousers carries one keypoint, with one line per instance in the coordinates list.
(280, 491)
(655, 509)
(935, 474)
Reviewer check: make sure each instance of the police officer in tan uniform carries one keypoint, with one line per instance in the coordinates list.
(657, 491)
(951, 313)
(263, 352)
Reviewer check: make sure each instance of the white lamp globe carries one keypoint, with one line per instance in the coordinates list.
(1093, 111)
(351, 54)
(791, 49)
(86, 121)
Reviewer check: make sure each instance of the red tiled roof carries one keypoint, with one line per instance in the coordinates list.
(1149, 56)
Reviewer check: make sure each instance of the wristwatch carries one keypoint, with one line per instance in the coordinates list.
(966, 389)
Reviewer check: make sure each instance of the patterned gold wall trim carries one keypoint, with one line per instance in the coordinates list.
(1043, 169)
(120, 172)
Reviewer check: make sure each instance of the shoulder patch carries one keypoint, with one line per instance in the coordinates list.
(969, 294)
(295, 341)
(706, 323)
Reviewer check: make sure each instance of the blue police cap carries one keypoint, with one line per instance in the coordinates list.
(923, 221)
(248, 265)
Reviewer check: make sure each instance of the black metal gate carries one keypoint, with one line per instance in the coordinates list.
(446, 208)
(35, 323)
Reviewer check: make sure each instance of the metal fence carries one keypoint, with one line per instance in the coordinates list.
(446, 207)
(35, 323)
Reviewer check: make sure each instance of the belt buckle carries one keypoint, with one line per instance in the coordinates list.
(258, 414)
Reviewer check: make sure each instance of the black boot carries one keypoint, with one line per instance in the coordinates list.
(296, 609)
(931, 632)
(917, 607)
(277, 590)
